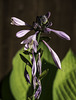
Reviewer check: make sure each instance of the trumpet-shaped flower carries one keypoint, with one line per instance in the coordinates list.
(22, 33)
(54, 56)
(30, 43)
(59, 33)
(18, 22)
(34, 69)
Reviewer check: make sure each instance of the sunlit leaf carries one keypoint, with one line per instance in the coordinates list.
(64, 87)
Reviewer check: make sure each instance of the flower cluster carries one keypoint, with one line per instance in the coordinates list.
(41, 24)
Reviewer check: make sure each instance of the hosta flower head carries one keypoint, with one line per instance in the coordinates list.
(41, 24)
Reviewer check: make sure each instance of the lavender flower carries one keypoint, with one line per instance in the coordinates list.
(54, 56)
(59, 33)
(30, 43)
(37, 82)
(41, 24)
(34, 69)
(39, 64)
(17, 22)
(34, 82)
(38, 92)
(22, 33)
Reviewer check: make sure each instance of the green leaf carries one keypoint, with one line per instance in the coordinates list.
(38, 37)
(18, 84)
(25, 60)
(20, 89)
(64, 87)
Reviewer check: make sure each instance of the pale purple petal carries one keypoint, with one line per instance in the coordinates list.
(38, 92)
(35, 44)
(36, 32)
(59, 33)
(54, 56)
(18, 22)
(39, 64)
(26, 76)
(34, 37)
(26, 47)
(34, 82)
(48, 14)
(34, 66)
(28, 40)
(22, 33)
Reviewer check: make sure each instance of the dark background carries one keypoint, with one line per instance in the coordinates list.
(63, 16)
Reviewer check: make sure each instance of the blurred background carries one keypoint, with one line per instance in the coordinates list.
(63, 16)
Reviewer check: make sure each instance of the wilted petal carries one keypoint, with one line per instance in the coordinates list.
(59, 33)
(27, 76)
(54, 56)
(34, 66)
(18, 22)
(39, 64)
(22, 33)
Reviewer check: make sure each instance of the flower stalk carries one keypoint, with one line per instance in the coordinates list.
(41, 25)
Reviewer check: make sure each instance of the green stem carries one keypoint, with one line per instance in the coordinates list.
(38, 37)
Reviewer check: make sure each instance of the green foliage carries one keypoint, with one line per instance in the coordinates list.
(20, 89)
(18, 84)
(64, 87)
(55, 86)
